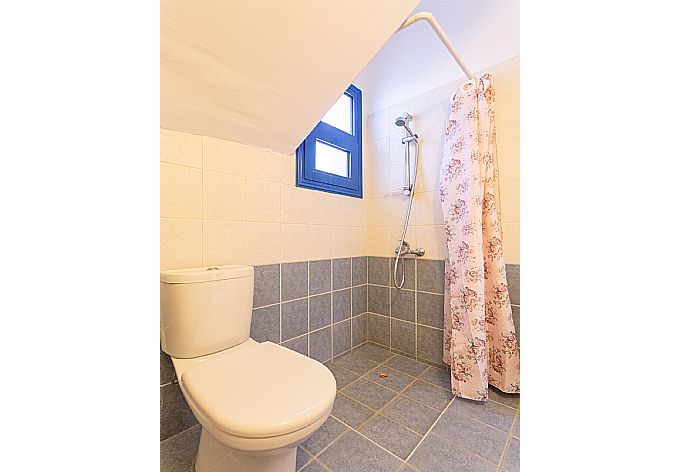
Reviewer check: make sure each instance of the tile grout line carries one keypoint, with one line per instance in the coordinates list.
(430, 428)
(510, 439)
(368, 439)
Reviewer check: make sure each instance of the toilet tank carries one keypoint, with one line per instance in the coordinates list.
(205, 310)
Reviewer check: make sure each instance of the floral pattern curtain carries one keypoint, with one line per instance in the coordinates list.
(480, 344)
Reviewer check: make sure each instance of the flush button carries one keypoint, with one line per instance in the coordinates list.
(213, 268)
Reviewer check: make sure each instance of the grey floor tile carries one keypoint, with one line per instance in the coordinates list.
(343, 377)
(294, 318)
(437, 454)
(266, 285)
(325, 435)
(342, 305)
(477, 437)
(342, 273)
(393, 437)
(319, 276)
(300, 345)
(294, 280)
(379, 329)
(302, 458)
(314, 466)
(513, 279)
(350, 412)
(266, 324)
(402, 304)
(437, 376)
(373, 352)
(409, 413)
(509, 399)
(319, 311)
(371, 394)
(489, 412)
(407, 468)
(511, 460)
(430, 275)
(166, 368)
(379, 270)
(353, 363)
(359, 270)
(406, 365)
(321, 345)
(394, 379)
(175, 415)
(429, 394)
(178, 452)
(516, 429)
(354, 453)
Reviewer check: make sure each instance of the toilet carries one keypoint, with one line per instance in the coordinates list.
(255, 401)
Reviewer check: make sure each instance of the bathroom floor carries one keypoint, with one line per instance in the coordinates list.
(405, 419)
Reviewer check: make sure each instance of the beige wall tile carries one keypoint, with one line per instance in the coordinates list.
(378, 212)
(433, 239)
(398, 206)
(376, 183)
(294, 243)
(180, 191)
(377, 125)
(225, 156)
(225, 196)
(396, 232)
(429, 175)
(180, 243)
(428, 208)
(181, 148)
(320, 242)
(320, 208)
(344, 238)
(510, 202)
(225, 242)
(511, 243)
(343, 211)
(294, 204)
(396, 179)
(288, 166)
(263, 243)
(396, 151)
(263, 164)
(263, 201)
(358, 211)
(377, 153)
(378, 241)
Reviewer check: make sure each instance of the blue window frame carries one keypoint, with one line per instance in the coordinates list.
(330, 158)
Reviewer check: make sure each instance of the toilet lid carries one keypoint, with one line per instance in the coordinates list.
(264, 391)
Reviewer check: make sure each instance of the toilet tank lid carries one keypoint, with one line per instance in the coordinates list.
(206, 274)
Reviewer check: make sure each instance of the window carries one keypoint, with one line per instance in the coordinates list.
(330, 159)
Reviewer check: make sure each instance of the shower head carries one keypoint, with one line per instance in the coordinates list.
(403, 119)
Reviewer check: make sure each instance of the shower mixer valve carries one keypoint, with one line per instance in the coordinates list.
(405, 250)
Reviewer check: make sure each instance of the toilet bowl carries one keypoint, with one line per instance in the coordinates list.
(255, 401)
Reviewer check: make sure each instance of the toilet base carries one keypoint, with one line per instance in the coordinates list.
(214, 456)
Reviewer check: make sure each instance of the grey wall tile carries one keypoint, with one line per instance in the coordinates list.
(175, 415)
(342, 341)
(342, 305)
(379, 270)
(403, 336)
(359, 270)
(300, 345)
(513, 276)
(178, 453)
(378, 299)
(167, 369)
(410, 271)
(266, 284)
(378, 329)
(430, 309)
(516, 321)
(359, 330)
(359, 300)
(320, 345)
(430, 275)
(294, 318)
(430, 344)
(342, 273)
(402, 304)
(319, 276)
(319, 311)
(294, 280)
(266, 324)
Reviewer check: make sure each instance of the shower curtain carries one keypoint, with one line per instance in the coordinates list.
(480, 344)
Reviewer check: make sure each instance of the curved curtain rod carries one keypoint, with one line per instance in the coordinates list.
(427, 16)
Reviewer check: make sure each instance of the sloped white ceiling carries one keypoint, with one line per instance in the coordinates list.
(265, 72)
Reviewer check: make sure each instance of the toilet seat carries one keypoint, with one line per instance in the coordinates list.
(259, 391)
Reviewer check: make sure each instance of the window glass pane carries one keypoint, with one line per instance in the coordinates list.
(332, 160)
(340, 114)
